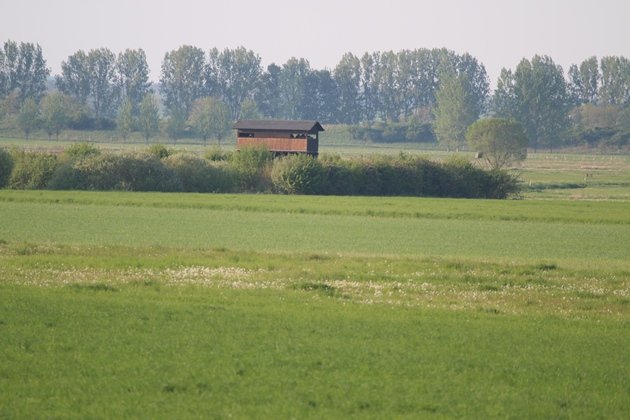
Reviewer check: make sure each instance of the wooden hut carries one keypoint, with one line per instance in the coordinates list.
(281, 137)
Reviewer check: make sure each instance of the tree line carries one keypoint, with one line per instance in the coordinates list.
(201, 92)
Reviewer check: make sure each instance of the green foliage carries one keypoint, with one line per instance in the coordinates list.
(125, 120)
(159, 151)
(81, 151)
(500, 141)
(56, 111)
(6, 167)
(28, 117)
(199, 175)
(149, 117)
(298, 174)
(129, 172)
(252, 166)
(182, 82)
(536, 96)
(32, 170)
(210, 117)
(456, 109)
(216, 154)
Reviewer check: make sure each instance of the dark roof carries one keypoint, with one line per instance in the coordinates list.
(279, 125)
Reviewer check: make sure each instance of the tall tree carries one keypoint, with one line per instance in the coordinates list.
(322, 100)
(133, 77)
(615, 82)
(23, 71)
(267, 94)
(536, 96)
(75, 77)
(233, 75)
(56, 110)
(149, 117)
(456, 110)
(478, 81)
(182, 82)
(369, 95)
(210, 117)
(583, 84)
(103, 86)
(293, 92)
(28, 116)
(347, 76)
(386, 82)
(124, 119)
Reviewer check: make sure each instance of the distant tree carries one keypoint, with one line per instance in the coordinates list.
(347, 75)
(386, 86)
(456, 110)
(28, 116)
(182, 82)
(75, 77)
(583, 84)
(233, 76)
(500, 141)
(103, 87)
(293, 92)
(536, 96)
(92, 79)
(132, 74)
(125, 119)
(56, 109)
(267, 94)
(322, 97)
(478, 81)
(149, 117)
(615, 81)
(249, 110)
(23, 71)
(369, 94)
(210, 117)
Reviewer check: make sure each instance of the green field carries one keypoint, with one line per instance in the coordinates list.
(189, 305)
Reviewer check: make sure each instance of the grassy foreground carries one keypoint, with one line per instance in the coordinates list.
(175, 306)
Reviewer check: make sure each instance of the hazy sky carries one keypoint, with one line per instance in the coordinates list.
(499, 33)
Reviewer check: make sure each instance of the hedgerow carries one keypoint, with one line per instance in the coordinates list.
(255, 170)
(6, 167)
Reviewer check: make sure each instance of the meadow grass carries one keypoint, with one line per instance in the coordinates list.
(188, 305)
(140, 352)
(594, 234)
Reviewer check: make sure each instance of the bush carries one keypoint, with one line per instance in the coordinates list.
(500, 184)
(298, 174)
(32, 170)
(252, 167)
(81, 150)
(199, 175)
(131, 172)
(159, 151)
(6, 166)
(216, 154)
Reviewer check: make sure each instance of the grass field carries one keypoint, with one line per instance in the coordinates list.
(188, 305)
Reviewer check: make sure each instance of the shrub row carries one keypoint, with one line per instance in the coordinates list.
(388, 176)
(83, 167)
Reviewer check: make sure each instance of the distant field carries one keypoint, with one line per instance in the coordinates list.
(581, 233)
